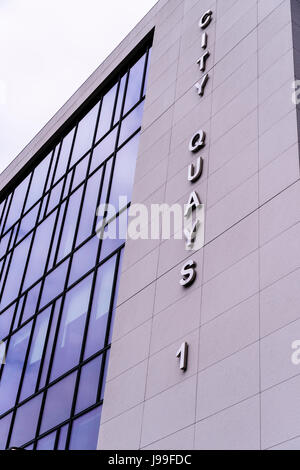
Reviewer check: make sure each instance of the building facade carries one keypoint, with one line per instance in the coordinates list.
(156, 342)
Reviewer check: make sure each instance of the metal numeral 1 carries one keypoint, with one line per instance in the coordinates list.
(183, 354)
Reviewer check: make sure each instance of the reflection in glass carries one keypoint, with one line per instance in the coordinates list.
(54, 283)
(120, 99)
(104, 149)
(26, 422)
(17, 203)
(39, 252)
(4, 244)
(50, 343)
(53, 248)
(68, 188)
(58, 403)
(85, 431)
(107, 107)
(4, 428)
(131, 123)
(35, 354)
(62, 437)
(55, 196)
(109, 245)
(70, 222)
(64, 155)
(100, 307)
(89, 382)
(28, 222)
(13, 367)
(6, 319)
(71, 328)
(47, 442)
(18, 312)
(15, 272)
(31, 302)
(5, 210)
(84, 259)
(85, 134)
(88, 212)
(124, 171)
(80, 172)
(38, 182)
(133, 93)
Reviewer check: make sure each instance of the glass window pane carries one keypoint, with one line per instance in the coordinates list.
(17, 203)
(19, 310)
(50, 343)
(5, 211)
(80, 171)
(88, 213)
(4, 429)
(4, 244)
(26, 422)
(15, 272)
(119, 228)
(131, 123)
(35, 354)
(85, 431)
(54, 283)
(88, 386)
(124, 172)
(31, 302)
(54, 196)
(6, 319)
(85, 134)
(70, 223)
(107, 108)
(28, 222)
(13, 367)
(58, 403)
(2, 204)
(53, 248)
(134, 84)
(84, 259)
(100, 307)
(38, 182)
(47, 443)
(106, 182)
(120, 99)
(71, 328)
(63, 437)
(68, 188)
(64, 155)
(104, 149)
(39, 252)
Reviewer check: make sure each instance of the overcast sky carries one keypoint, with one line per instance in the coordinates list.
(48, 48)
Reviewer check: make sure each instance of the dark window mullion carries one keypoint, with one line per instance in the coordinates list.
(144, 73)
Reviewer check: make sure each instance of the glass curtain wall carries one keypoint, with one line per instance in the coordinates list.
(59, 282)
